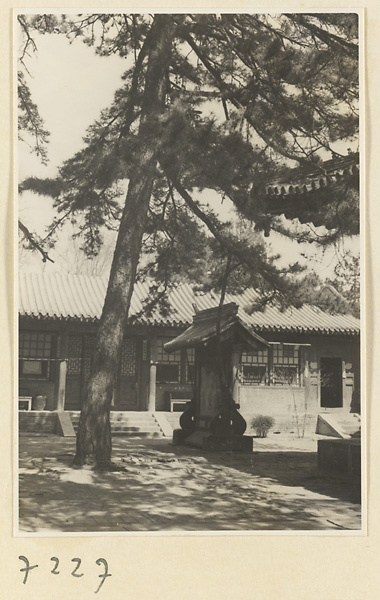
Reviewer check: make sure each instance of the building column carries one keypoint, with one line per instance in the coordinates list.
(152, 375)
(62, 385)
(62, 353)
(235, 363)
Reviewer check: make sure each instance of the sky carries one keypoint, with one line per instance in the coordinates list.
(65, 84)
(71, 85)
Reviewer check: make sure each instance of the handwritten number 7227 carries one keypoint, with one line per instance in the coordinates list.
(101, 562)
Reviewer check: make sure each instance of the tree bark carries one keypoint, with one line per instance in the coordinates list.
(94, 443)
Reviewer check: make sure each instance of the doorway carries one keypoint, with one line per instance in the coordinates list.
(331, 383)
(127, 388)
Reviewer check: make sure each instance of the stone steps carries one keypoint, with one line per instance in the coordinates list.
(128, 423)
(173, 419)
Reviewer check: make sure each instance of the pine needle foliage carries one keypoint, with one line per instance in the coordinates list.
(247, 97)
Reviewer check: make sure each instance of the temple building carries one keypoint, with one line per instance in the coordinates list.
(309, 364)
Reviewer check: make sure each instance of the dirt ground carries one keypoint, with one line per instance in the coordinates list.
(157, 487)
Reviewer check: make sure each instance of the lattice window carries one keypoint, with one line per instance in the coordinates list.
(256, 357)
(128, 358)
(190, 360)
(169, 364)
(285, 365)
(35, 350)
(74, 363)
(89, 349)
(35, 344)
(285, 355)
(282, 369)
(255, 367)
(166, 357)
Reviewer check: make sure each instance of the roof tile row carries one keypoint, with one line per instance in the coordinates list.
(67, 297)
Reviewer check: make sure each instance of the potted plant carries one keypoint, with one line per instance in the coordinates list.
(38, 402)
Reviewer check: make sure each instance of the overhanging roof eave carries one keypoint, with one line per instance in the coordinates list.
(195, 336)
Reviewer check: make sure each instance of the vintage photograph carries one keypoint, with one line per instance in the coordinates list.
(189, 287)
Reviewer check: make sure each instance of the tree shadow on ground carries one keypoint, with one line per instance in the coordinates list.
(158, 487)
(284, 467)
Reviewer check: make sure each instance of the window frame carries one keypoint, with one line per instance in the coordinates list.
(182, 360)
(275, 357)
(164, 380)
(167, 360)
(30, 350)
(188, 356)
(286, 361)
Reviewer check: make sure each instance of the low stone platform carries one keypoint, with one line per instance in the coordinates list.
(340, 457)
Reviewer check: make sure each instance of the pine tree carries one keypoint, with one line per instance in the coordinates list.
(220, 102)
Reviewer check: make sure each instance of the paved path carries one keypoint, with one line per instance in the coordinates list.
(158, 487)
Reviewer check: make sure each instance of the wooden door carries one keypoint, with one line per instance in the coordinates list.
(74, 373)
(80, 351)
(127, 391)
(331, 383)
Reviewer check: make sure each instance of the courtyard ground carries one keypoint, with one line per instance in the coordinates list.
(159, 487)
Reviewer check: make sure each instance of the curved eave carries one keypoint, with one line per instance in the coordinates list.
(302, 182)
(174, 323)
(87, 319)
(308, 330)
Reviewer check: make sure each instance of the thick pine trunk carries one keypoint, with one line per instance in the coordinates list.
(94, 432)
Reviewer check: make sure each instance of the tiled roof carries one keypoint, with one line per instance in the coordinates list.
(68, 297)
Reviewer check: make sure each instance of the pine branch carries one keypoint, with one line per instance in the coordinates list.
(34, 242)
(238, 100)
(327, 37)
(226, 242)
(57, 223)
(29, 40)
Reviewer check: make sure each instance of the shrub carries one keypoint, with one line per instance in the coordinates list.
(262, 424)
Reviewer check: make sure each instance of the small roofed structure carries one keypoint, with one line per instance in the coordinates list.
(212, 419)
